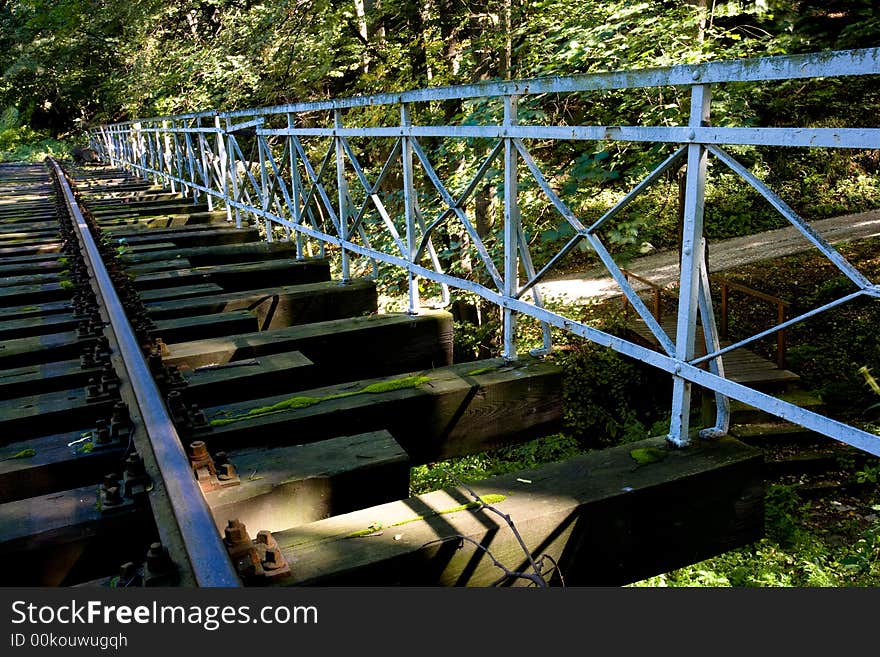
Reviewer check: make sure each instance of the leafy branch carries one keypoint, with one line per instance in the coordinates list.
(871, 382)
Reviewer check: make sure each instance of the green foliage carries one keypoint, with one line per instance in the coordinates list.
(474, 467)
(24, 144)
(870, 474)
(67, 64)
(864, 557)
(795, 552)
(783, 506)
(23, 454)
(604, 398)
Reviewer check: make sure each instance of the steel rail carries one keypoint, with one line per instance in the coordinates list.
(208, 558)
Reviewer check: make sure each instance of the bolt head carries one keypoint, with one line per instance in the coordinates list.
(198, 449)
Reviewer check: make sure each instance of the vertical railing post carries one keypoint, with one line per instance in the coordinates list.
(177, 157)
(511, 227)
(206, 164)
(265, 201)
(223, 159)
(160, 159)
(105, 141)
(781, 337)
(132, 149)
(126, 148)
(152, 140)
(296, 187)
(342, 195)
(167, 157)
(233, 176)
(142, 154)
(191, 165)
(120, 140)
(111, 144)
(691, 263)
(409, 193)
(117, 147)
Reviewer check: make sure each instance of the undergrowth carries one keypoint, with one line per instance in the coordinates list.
(475, 467)
(829, 350)
(808, 543)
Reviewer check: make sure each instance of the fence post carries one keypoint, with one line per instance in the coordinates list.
(691, 263)
(166, 157)
(126, 149)
(177, 156)
(406, 154)
(232, 171)
(191, 165)
(206, 166)
(223, 159)
(511, 228)
(265, 203)
(296, 187)
(342, 192)
(155, 162)
(141, 151)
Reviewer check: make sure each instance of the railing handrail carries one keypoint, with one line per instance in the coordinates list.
(782, 307)
(733, 285)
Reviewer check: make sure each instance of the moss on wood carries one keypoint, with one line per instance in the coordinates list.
(304, 402)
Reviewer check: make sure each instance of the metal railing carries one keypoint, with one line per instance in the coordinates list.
(295, 192)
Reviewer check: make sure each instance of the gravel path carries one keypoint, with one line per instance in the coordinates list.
(662, 267)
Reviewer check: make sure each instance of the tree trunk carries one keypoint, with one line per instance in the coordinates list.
(375, 23)
(361, 16)
(415, 26)
(702, 5)
(507, 35)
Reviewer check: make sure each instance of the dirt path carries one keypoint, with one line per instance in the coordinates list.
(662, 267)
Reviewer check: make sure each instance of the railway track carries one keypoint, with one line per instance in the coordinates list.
(176, 392)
